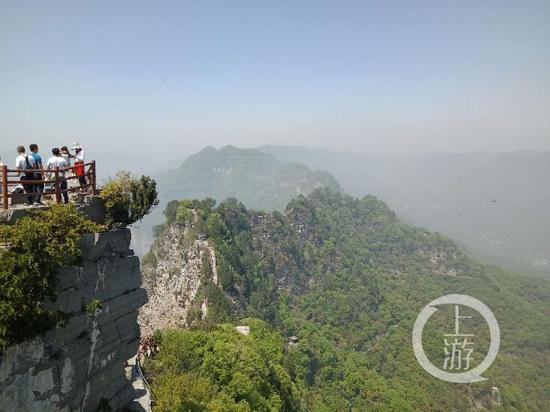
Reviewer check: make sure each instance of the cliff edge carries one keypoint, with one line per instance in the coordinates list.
(80, 367)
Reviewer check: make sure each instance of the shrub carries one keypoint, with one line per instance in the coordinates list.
(31, 252)
(93, 307)
(128, 198)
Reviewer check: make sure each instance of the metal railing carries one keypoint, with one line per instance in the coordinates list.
(51, 177)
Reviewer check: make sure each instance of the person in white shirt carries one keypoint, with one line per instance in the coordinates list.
(25, 164)
(79, 164)
(59, 162)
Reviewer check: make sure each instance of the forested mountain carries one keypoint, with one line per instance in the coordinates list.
(497, 205)
(258, 179)
(337, 283)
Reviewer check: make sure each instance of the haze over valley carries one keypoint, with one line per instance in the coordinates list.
(295, 206)
(494, 204)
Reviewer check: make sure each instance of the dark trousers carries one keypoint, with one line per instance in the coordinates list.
(39, 188)
(63, 186)
(30, 189)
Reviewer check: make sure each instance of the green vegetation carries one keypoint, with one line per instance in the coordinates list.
(128, 198)
(93, 307)
(222, 370)
(31, 252)
(348, 278)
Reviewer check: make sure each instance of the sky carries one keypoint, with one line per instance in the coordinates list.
(174, 76)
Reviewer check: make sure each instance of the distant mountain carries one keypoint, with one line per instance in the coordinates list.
(258, 179)
(496, 204)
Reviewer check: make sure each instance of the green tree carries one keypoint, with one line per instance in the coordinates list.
(32, 251)
(128, 198)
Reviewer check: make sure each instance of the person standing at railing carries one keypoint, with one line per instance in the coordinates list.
(65, 154)
(24, 164)
(1, 166)
(39, 187)
(58, 162)
(79, 164)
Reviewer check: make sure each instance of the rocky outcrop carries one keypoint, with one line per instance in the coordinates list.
(91, 206)
(173, 281)
(80, 367)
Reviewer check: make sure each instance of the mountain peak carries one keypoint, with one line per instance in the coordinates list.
(257, 178)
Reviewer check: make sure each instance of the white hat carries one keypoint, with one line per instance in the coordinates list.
(76, 145)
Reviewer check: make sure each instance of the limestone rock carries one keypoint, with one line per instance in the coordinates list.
(173, 284)
(76, 367)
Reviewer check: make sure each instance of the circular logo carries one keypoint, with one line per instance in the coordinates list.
(473, 375)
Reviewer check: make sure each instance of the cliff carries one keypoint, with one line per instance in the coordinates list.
(81, 366)
(174, 282)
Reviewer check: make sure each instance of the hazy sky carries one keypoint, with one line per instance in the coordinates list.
(408, 76)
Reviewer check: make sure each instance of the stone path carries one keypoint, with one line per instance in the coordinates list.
(142, 402)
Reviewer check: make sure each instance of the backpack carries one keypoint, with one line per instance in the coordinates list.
(29, 175)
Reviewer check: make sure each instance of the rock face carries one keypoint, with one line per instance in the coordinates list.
(173, 283)
(80, 367)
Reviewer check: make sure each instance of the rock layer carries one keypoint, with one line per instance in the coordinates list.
(80, 367)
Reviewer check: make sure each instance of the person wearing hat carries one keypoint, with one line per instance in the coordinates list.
(79, 164)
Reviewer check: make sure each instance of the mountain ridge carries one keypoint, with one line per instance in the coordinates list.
(348, 279)
(258, 179)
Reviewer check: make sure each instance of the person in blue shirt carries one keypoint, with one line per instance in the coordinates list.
(39, 188)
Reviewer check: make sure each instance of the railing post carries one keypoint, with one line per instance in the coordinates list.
(94, 185)
(5, 193)
(57, 186)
